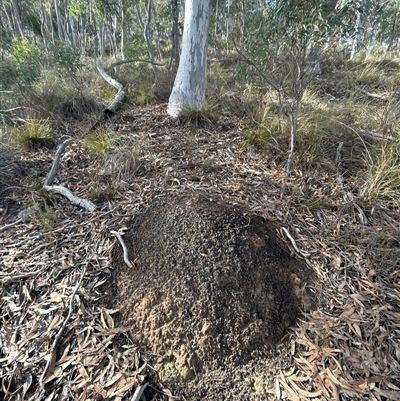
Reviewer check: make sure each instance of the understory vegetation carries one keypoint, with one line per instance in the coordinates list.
(348, 125)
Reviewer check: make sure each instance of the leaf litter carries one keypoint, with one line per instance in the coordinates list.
(347, 349)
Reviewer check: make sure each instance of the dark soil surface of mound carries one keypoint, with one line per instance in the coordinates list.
(210, 286)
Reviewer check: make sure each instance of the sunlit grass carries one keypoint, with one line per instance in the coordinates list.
(97, 142)
(382, 173)
(34, 132)
(203, 115)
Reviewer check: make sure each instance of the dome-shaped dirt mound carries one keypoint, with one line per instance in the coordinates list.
(210, 284)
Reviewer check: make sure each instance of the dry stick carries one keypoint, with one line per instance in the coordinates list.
(7, 226)
(119, 97)
(294, 243)
(363, 219)
(374, 95)
(125, 250)
(87, 204)
(338, 160)
(121, 62)
(293, 129)
(59, 189)
(56, 162)
(138, 393)
(58, 336)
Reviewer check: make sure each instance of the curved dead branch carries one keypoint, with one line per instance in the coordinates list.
(124, 248)
(58, 189)
(121, 62)
(56, 162)
(120, 96)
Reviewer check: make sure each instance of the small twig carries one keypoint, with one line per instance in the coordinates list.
(139, 391)
(14, 108)
(294, 243)
(121, 62)
(338, 160)
(374, 95)
(7, 226)
(56, 162)
(59, 334)
(125, 250)
(363, 219)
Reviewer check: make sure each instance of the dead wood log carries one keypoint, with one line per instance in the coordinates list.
(87, 204)
(119, 97)
(59, 189)
(56, 162)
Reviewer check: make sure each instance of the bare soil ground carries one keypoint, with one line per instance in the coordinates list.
(63, 338)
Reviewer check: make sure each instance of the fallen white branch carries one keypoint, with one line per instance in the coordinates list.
(294, 243)
(119, 97)
(376, 135)
(56, 162)
(58, 189)
(124, 248)
(7, 226)
(121, 62)
(139, 391)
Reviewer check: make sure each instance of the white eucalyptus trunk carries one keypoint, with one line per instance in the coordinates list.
(191, 79)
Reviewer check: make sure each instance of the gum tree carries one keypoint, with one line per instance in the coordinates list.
(191, 80)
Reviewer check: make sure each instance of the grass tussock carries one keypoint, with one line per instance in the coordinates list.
(122, 162)
(39, 204)
(101, 193)
(33, 134)
(382, 173)
(98, 142)
(205, 115)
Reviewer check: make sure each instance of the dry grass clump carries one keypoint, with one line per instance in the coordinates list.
(118, 156)
(33, 134)
(72, 97)
(205, 115)
(381, 181)
(97, 142)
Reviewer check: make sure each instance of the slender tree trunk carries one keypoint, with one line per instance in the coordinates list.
(146, 28)
(359, 28)
(243, 21)
(60, 26)
(123, 29)
(191, 79)
(174, 62)
(17, 17)
(392, 33)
